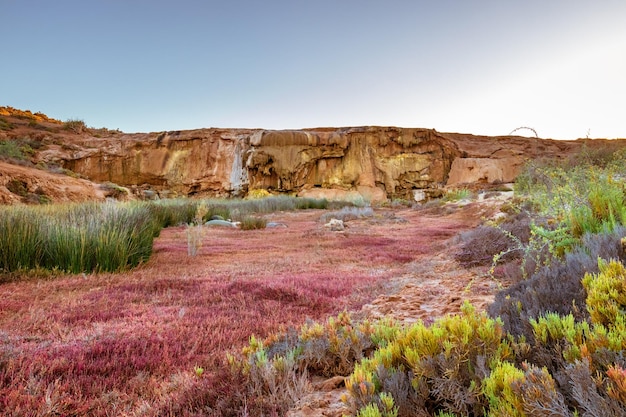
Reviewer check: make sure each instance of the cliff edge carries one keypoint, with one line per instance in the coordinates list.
(375, 163)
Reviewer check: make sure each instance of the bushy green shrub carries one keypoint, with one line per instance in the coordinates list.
(14, 150)
(509, 238)
(5, 124)
(277, 369)
(556, 287)
(458, 194)
(75, 125)
(581, 199)
(445, 364)
(606, 292)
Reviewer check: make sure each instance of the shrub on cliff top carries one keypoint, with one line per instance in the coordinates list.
(75, 125)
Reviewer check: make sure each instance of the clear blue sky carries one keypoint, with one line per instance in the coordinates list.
(482, 67)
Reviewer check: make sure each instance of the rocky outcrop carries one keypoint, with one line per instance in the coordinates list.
(374, 163)
(21, 184)
(370, 162)
(207, 161)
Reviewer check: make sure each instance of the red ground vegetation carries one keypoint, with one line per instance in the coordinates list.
(127, 344)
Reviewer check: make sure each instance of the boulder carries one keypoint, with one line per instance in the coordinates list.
(335, 225)
(484, 170)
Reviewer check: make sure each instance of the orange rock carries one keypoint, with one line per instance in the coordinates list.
(371, 163)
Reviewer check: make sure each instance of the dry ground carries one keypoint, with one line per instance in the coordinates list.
(127, 344)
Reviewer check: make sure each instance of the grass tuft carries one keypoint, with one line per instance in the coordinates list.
(89, 237)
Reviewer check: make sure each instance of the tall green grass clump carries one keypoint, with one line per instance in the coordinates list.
(457, 195)
(173, 212)
(88, 237)
(236, 209)
(99, 237)
(21, 240)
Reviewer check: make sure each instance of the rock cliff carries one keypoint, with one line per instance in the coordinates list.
(375, 163)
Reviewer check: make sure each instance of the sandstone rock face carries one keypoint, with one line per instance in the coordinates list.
(207, 161)
(484, 170)
(370, 163)
(20, 184)
(375, 163)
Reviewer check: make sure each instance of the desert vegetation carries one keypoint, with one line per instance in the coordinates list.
(15, 150)
(551, 344)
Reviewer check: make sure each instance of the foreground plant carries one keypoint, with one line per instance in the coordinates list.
(468, 364)
(465, 364)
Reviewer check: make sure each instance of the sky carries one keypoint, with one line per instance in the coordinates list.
(484, 67)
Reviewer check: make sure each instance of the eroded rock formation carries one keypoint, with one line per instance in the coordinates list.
(375, 163)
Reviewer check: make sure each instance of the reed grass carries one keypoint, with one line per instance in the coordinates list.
(111, 237)
(253, 222)
(21, 243)
(173, 212)
(89, 237)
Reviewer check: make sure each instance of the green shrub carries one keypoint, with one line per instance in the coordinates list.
(580, 199)
(563, 204)
(537, 394)
(498, 388)
(458, 194)
(277, 369)
(5, 124)
(13, 149)
(604, 209)
(75, 125)
(556, 287)
(384, 407)
(17, 187)
(445, 363)
(606, 292)
(508, 239)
